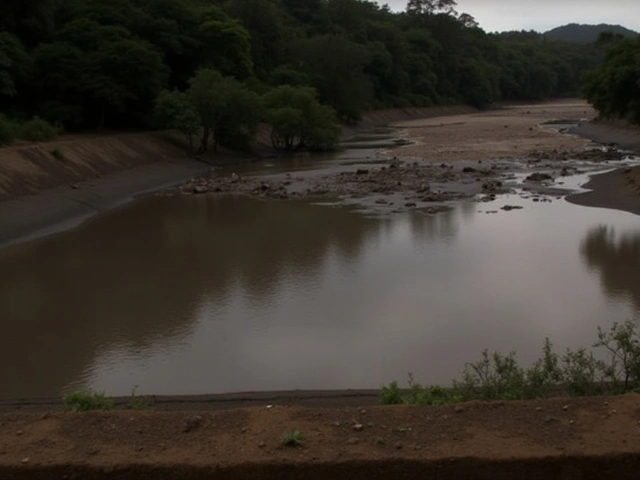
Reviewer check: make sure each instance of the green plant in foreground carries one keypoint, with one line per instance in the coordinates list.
(499, 377)
(292, 439)
(137, 402)
(83, 401)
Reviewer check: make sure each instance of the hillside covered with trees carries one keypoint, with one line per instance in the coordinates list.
(614, 88)
(578, 33)
(214, 69)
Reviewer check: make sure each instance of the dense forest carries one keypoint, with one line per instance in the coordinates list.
(614, 88)
(216, 68)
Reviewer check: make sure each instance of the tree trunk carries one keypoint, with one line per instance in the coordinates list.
(204, 146)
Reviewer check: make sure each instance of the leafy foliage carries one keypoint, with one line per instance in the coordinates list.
(499, 377)
(37, 130)
(83, 401)
(7, 131)
(614, 88)
(298, 120)
(175, 110)
(90, 64)
(292, 439)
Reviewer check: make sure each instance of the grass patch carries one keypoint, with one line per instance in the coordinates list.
(83, 401)
(496, 376)
(137, 402)
(292, 439)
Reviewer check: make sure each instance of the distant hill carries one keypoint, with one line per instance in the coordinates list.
(585, 33)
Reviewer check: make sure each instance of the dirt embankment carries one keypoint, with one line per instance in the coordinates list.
(48, 187)
(563, 438)
(27, 169)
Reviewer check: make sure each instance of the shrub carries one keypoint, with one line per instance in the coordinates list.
(493, 377)
(7, 131)
(293, 439)
(37, 130)
(499, 377)
(622, 344)
(137, 402)
(82, 401)
(390, 394)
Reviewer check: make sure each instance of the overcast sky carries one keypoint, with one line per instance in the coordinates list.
(542, 15)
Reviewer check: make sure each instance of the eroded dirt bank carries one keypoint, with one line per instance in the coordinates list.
(563, 438)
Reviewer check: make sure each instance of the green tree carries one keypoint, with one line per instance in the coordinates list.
(15, 63)
(114, 74)
(339, 76)
(226, 46)
(298, 120)
(176, 110)
(428, 7)
(614, 88)
(227, 110)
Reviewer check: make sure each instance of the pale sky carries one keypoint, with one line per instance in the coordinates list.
(543, 15)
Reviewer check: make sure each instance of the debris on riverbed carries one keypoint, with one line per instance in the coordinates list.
(606, 154)
(411, 185)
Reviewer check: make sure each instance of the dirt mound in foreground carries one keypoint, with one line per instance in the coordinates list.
(562, 438)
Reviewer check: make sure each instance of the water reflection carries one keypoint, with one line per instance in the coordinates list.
(137, 276)
(211, 294)
(617, 260)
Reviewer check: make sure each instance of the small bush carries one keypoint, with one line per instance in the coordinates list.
(58, 153)
(582, 373)
(137, 402)
(37, 130)
(391, 394)
(293, 439)
(7, 131)
(493, 377)
(499, 377)
(84, 401)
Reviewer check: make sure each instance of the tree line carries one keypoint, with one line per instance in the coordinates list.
(216, 68)
(614, 88)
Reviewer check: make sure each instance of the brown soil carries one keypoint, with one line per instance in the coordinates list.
(564, 438)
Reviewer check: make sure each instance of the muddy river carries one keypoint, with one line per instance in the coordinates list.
(212, 294)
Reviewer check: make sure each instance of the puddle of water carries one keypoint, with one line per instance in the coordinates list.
(216, 294)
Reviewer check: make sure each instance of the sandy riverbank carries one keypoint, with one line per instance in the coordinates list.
(563, 438)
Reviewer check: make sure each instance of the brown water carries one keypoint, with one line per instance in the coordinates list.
(217, 294)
